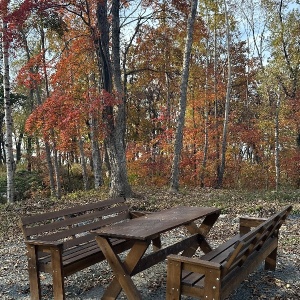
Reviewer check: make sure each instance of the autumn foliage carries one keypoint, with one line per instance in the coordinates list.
(64, 81)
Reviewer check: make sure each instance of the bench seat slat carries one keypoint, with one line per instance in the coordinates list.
(82, 252)
(74, 253)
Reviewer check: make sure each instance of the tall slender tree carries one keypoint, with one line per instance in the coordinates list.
(221, 168)
(10, 162)
(174, 182)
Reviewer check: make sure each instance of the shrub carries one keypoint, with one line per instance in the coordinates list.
(26, 184)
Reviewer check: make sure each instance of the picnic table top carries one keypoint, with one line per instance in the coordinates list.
(150, 225)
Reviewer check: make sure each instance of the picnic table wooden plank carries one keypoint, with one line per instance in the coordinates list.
(147, 227)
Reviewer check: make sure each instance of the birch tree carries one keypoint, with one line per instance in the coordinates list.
(10, 163)
(221, 168)
(174, 182)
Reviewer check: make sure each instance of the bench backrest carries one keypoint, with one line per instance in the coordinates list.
(72, 226)
(254, 239)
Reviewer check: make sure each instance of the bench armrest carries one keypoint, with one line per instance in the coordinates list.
(246, 223)
(178, 277)
(194, 264)
(44, 245)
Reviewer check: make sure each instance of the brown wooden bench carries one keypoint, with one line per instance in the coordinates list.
(216, 274)
(61, 242)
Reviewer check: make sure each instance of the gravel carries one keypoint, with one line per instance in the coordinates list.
(90, 283)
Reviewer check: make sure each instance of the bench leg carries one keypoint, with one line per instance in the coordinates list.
(212, 284)
(270, 262)
(173, 291)
(57, 274)
(34, 274)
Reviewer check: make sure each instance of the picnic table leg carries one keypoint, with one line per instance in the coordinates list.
(156, 242)
(123, 270)
(208, 223)
(203, 229)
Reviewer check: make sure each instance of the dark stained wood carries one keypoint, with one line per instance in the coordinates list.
(81, 218)
(147, 227)
(61, 243)
(144, 230)
(173, 269)
(246, 223)
(69, 211)
(122, 271)
(216, 274)
(32, 257)
(161, 254)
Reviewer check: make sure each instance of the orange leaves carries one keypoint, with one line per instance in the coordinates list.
(57, 118)
(63, 117)
(29, 75)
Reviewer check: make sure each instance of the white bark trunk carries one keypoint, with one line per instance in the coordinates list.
(227, 103)
(10, 163)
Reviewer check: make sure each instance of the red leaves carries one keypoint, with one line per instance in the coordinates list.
(28, 75)
(63, 117)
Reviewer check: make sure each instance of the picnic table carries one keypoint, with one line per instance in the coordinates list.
(146, 229)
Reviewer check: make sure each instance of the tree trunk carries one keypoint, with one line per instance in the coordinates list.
(205, 148)
(221, 168)
(83, 164)
(277, 146)
(216, 100)
(114, 117)
(57, 172)
(19, 147)
(174, 182)
(120, 127)
(33, 87)
(96, 155)
(50, 169)
(2, 146)
(54, 191)
(10, 163)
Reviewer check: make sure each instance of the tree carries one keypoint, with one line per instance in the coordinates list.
(113, 113)
(10, 162)
(221, 167)
(174, 182)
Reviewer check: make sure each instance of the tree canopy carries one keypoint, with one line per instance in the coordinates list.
(96, 92)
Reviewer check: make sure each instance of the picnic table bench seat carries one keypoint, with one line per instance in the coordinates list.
(216, 274)
(61, 242)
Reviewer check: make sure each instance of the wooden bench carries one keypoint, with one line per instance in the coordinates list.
(216, 274)
(61, 242)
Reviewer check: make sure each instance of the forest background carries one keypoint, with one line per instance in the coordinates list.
(95, 94)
